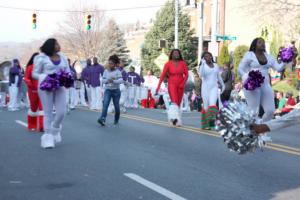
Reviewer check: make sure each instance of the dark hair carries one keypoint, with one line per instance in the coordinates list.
(88, 61)
(171, 53)
(115, 59)
(132, 67)
(30, 62)
(16, 62)
(48, 47)
(253, 44)
(207, 52)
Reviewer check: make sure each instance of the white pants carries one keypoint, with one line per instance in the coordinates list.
(13, 97)
(209, 96)
(22, 96)
(96, 98)
(132, 100)
(167, 100)
(143, 94)
(185, 103)
(71, 97)
(50, 99)
(82, 98)
(263, 96)
(2, 99)
(123, 95)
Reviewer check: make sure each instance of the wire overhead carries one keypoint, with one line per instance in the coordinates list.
(79, 11)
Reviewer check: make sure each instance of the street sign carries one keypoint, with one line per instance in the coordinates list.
(161, 60)
(226, 37)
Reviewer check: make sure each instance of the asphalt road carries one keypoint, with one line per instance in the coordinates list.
(142, 158)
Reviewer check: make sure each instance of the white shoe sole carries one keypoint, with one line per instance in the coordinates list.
(47, 141)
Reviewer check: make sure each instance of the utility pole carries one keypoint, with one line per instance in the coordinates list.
(176, 24)
(200, 8)
(214, 18)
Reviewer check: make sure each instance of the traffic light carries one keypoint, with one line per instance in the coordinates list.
(88, 22)
(34, 20)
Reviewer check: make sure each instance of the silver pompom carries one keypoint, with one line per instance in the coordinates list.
(234, 126)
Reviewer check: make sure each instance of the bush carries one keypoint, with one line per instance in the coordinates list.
(285, 86)
(224, 56)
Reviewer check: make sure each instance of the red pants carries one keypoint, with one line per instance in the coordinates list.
(35, 115)
(175, 93)
(149, 102)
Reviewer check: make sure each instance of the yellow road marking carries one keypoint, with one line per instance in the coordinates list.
(272, 146)
(285, 147)
(283, 150)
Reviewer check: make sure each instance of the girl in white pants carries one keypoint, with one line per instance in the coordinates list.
(210, 74)
(257, 59)
(48, 62)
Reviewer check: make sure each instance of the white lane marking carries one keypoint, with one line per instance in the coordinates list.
(154, 187)
(21, 123)
(15, 182)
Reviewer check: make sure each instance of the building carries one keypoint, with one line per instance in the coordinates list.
(134, 37)
(234, 24)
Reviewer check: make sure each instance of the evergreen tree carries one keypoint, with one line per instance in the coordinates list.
(224, 56)
(238, 55)
(163, 28)
(113, 43)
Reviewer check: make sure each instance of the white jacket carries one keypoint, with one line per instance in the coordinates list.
(250, 62)
(43, 66)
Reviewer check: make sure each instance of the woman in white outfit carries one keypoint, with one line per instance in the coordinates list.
(50, 61)
(257, 59)
(211, 78)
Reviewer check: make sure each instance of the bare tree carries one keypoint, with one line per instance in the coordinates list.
(282, 14)
(77, 42)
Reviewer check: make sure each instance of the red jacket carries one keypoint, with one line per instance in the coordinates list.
(176, 75)
(31, 83)
(290, 102)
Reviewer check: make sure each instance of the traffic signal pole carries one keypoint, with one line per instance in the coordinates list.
(176, 24)
(214, 18)
(200, 30)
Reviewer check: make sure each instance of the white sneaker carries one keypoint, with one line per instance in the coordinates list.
(57, 138)
(47, 141)
(56, 134)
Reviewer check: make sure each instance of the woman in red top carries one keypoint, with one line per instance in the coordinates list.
(177, 72)
(35, 115)
(289, 105)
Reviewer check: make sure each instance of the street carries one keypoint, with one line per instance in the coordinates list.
(142, 158)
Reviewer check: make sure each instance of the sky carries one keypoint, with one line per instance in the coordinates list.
(16, 25)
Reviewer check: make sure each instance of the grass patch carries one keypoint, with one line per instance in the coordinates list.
(285, 86)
